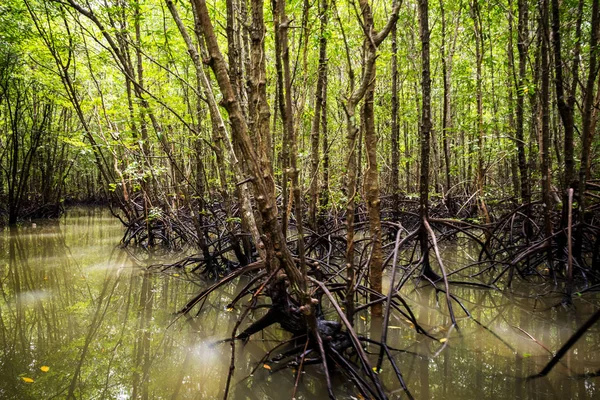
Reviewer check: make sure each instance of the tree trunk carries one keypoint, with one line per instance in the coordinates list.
(316, 121)
(280, 26)
(324, 197)
(446, 116)
(479, 52)
(425, 139)
(545, 154)
(395, 131)
(372, 40)
(522, 47)
(587, 120)
(274, 242)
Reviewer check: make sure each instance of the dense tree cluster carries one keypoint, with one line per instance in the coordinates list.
(267, 131)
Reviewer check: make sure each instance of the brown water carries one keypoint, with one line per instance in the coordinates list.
(73, 301)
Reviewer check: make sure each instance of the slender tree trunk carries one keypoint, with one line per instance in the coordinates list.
(565, 103)
(324, 197)
(522, 47)
(425, 139)
(545, 154)
(564, 108)
(280, 26)
(395, 131)
(588, 120)
(371, 181)
(234, 57)
(446, 116)
(357, 93)
(316, 121)
(147, 187)
(291, 133)
(406, 157)
(479, 53)
(258, 92)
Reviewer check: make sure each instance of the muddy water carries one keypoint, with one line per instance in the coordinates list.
(76, 303)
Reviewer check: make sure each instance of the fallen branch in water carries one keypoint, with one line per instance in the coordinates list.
(565, 348)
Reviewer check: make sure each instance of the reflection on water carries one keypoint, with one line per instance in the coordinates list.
(73, 301)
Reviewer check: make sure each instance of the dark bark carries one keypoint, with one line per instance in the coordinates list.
(273, 237)
(522, 46)
(425, 138)
(395, 129)
(587, 119)
(565, 104)
(446, 107)
(318, 109)
(280, 26)
(479, 53)
(544, 103)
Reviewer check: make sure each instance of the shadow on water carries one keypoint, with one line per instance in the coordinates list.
(75, 302)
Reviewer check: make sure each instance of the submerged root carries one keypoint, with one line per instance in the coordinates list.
(513, 247)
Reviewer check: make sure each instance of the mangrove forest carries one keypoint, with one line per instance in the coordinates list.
(299, 199)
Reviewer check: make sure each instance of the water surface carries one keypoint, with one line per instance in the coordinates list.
(72, 300)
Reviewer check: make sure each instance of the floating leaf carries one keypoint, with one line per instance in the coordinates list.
(377, 372)
(266, 366)
(175, 274)
(443, 340)
(363, 318)
(26, 379)
(526, 355)
(229, 309)
(45, 368)
(394, 327)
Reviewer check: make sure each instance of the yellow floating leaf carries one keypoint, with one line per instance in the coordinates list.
(26, 379)
(443, 340)
(175, 274)
(266, 366)
(45, 368)
(229, 309)
(363, 318)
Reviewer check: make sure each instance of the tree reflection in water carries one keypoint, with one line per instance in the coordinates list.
(73, 300)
